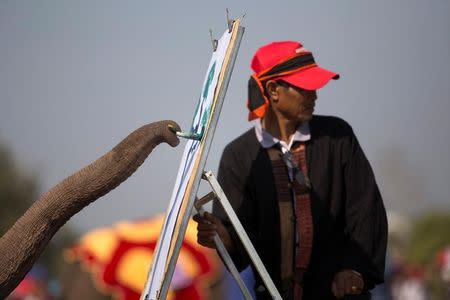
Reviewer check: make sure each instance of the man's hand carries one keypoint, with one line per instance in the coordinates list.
(347, 282)
(207, 227)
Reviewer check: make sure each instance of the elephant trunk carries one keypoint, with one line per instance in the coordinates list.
(22, 244)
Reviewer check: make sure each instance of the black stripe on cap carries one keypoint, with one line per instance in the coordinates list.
(291, 64)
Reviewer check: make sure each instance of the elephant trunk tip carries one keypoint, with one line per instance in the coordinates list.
(170, 133)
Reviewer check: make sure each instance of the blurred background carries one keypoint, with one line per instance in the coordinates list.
(78, 76)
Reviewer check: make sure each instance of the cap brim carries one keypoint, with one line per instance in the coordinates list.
(310, 79)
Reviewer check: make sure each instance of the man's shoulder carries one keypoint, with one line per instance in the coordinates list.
(330, 125)
(243, 140)
(240, 151)
(329, 121)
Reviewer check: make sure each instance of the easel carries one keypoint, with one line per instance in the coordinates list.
(158, 282)
(218, 194)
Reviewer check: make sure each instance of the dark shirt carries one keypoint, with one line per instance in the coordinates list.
(349, 218)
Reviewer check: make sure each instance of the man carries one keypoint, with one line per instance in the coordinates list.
(301, 186)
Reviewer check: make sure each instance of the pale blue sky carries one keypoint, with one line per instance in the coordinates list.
(78, 76)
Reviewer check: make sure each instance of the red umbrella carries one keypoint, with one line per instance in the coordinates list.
(119, 259)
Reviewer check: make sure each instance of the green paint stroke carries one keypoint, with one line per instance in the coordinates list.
(206, 111)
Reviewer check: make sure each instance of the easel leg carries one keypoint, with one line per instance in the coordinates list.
(223, 251)
(242, 235)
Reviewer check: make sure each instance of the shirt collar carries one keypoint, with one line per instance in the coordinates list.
(302, 134)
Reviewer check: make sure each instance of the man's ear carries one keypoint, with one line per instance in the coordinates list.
(271, 90)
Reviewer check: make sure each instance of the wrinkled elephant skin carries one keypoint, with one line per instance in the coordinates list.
(27, 238)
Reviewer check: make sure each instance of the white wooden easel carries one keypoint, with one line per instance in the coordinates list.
(157, 289)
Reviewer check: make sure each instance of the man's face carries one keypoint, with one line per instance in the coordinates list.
(293, 103)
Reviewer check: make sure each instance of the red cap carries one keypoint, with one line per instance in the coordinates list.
(310, 78)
